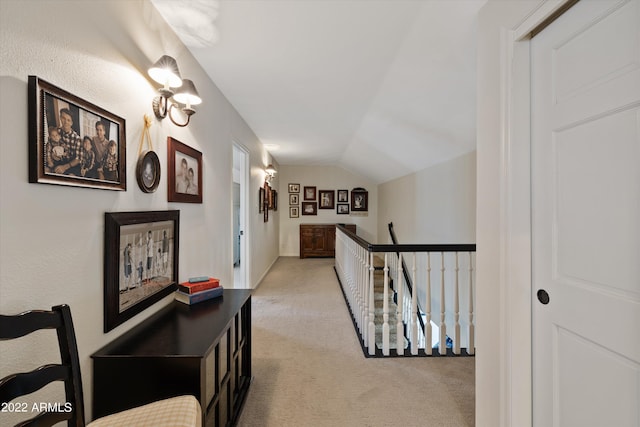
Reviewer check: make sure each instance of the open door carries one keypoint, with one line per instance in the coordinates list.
(240, 205)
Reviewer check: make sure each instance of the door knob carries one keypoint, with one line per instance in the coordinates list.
(543, 296)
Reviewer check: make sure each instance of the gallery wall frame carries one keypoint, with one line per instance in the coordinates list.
(359, 200)
(140, 262)
(309, 193)
(185, 172)
(309, 208)
(294, 188)
(72, 141)
(148, 172)
(326, 199)
(261, 199)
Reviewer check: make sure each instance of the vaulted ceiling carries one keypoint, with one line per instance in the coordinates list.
(383, 88)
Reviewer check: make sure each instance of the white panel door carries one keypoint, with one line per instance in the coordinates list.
(585, 144)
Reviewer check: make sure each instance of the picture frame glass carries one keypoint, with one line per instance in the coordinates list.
(309, 193)
(359, 201)
(185, 172)
(73, 142)
(309, 208)
(186, 169)
(141, 262)
(326, 199)
(294, 188)
(148, 172)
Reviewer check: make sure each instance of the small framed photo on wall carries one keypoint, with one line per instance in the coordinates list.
(343, 209)
(294, 199)
(294, 212)
(184, 171)
(309, 208)
(309, 193)
(343, 196)
(327, 199)
(294, 188)
(359, 200)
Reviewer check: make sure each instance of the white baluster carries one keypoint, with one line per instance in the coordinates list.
(365, 298)
(362, 265)
(385, 308)
(414, 309)
(456, 311)
(399, 310)
(471, 340)
(427, 325)
(372, 326)
(443, 327)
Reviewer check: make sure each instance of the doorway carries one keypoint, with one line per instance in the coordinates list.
(240, 236)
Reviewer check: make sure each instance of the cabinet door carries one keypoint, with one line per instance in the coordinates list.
(306, 240)
(319, 239)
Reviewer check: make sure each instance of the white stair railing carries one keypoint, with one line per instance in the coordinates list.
(355, 267)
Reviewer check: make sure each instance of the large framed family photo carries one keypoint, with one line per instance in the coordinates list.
(74, 142)
(141, 262)
(185, 172)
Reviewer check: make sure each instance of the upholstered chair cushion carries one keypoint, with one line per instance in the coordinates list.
(181, 411)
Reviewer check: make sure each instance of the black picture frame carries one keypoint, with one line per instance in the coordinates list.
(294, 188)
(294, 212)
(261, 199)
(294, 199)
(148, 172)
(309, 208)
(326, 199)
(59, 124)
(185, 172)
(342, 209)
(133, 280)
(359, 200)
(309, 193)
(343, 196)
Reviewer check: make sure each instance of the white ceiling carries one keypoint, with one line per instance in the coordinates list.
(383, 88)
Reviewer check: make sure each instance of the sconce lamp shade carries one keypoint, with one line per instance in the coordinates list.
(165, 71)
(270, 170)
(187, 94)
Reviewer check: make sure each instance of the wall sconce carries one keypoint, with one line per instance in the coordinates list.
(175, 93)
(270, 172)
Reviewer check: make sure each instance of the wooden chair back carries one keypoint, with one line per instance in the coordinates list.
(68, 371)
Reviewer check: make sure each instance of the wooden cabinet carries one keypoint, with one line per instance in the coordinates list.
(203, 350)
(319, 240)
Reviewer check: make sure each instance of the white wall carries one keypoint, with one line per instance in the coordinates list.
(435, 205)
(52, 237)
(323, 178)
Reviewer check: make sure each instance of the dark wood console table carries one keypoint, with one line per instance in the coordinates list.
(203, 350)
(319, 240)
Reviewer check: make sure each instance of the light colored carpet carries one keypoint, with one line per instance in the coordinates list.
(309, 369)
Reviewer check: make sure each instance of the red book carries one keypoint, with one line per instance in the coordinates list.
(192, 288)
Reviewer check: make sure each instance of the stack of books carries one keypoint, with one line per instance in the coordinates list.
(198, 289)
